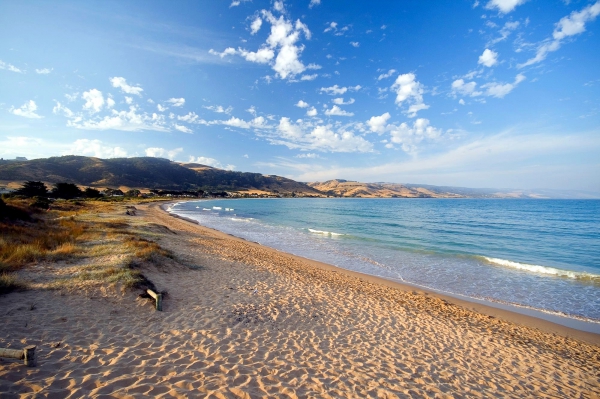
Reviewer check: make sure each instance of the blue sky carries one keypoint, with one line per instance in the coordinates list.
(489, 93)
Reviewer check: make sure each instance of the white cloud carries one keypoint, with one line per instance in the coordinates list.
(311, 112)
(43, 71)
(377, 124)
(309, 77)
(191, 117)
(332, 26)
(121, 83)
(570, 25)
(504, 6)
(459, 86)
(306, 136)
(130, 121)
(408, 89)
(60, 109)
(94, 100)
(26, 110)
(409, 136)
(387, 74)
(461, 101)
(160, 108)
(340, 101)
(176, 102)
(355, 44)
(255, 26)
(505, 32)
(72, 97)
(309, 155)
(182, 128)
(158, 152)
(489, 58)
(218, 109)
(500, 90)
(314, 3)
(128, 100)
(336, 90)
(111, 103)
(95, 148)
(337, 111)
(278, 6)
(281, 50)
(301, 104)
(10, 67)
(210, 162)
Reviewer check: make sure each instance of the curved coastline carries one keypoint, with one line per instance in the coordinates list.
(533, 318)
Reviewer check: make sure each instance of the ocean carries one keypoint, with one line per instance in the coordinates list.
(533, 254)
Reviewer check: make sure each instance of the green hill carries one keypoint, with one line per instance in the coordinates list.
(143, 172)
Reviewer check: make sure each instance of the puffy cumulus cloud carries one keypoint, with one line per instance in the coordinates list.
(182, 128)
(128, 100)
(409, 136)
(311, 112)
(408, 89)
(10, 67)
(340, 101)
(489, 58)
(281, 49)
(95, 148)
(459, 86)
(257, 123)
(94, 100)
(191, 117)
(176, 102)
(335, 90)
(504, 6)
(43, 71)
(386, 75)
(255, 25)
(308, 136)
(210, 162)
(332, 26)
(355, 44)
(157, 152)
(314, 3)
(337, 111)
(301, 104)
(570, 25)
(161, 108)
(26, 110)
(111, 103)
(500, 90)
(377, 124)
(121, 83)
(218, 109)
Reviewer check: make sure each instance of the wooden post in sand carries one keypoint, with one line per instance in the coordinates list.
(157, 297)
(27, 354)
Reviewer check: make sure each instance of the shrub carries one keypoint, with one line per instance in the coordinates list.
(9, 283)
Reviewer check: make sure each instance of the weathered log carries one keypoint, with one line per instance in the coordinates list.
(157, 297)
(27, 354)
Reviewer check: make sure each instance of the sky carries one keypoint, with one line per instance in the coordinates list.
(488, 93)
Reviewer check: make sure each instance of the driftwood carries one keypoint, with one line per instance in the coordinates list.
(157, 297)
(27, 354)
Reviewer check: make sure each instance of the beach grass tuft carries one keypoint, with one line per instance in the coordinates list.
(9, 282)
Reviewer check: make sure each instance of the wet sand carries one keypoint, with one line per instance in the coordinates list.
(242, 320)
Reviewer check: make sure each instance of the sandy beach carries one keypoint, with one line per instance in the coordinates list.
(242, 321)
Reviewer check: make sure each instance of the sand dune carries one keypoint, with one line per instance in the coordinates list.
(246, 321)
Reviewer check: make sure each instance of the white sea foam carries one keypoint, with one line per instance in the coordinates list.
(328, 233)
(544, 270)
(218, 208)
(206, 209)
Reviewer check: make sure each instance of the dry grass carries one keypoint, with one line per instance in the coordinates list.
(79, 244)
(9, 282)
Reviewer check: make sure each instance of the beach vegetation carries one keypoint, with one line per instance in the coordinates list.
(32, 189)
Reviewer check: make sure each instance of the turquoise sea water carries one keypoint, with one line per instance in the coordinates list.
(540, 254)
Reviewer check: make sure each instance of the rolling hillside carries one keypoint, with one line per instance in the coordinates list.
(144, 173)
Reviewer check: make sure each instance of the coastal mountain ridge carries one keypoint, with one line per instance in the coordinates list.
(159, 173)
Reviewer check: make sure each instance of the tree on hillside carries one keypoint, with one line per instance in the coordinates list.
(66, 191)
(33, 189)
(92, 193)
